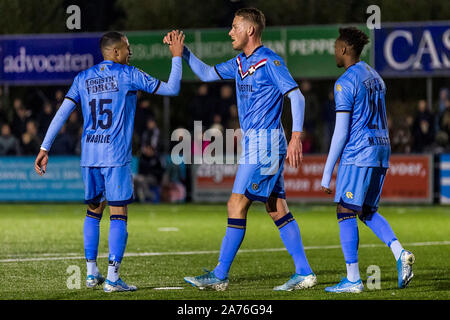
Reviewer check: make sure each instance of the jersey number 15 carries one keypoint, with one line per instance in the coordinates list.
(101, 106)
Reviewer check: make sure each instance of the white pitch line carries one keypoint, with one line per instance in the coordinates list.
(181, 253)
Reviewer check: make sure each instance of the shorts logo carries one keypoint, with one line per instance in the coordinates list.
(338, 88)
(254, 186)
(349, 195)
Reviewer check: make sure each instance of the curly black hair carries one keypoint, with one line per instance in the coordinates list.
(353, 37)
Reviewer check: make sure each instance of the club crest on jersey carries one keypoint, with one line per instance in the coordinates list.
(251, 70)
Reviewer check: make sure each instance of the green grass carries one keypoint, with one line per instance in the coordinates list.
(48, 231)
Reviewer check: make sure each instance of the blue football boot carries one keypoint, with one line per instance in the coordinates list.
(346, 286)
(208, 281)
(94, 280)
(297, 282)
(118, 286)
(404, 268)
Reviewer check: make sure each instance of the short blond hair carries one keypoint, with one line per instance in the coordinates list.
(255, 16)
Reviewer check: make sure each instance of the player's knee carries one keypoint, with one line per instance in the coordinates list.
(344, 213)
(366, 213)
(118, 210)
(237, 207)
(97, 207)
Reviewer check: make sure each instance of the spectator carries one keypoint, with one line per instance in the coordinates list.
(444, 121)
(233, 121)
(59, 98)
(150, 172)
(78, 141)
(30, 140)
(222, 107)
(64, 143)
(174, 180)
(312, 122)
(151, 133)
(443, 99)
(45, 118)
(20, 119)
(200, 107)
(4, 112)
(9, 144)
(73, 124)
(143, 113)
(400, 134)
(423, 127)
(329, 118)
(217, 123)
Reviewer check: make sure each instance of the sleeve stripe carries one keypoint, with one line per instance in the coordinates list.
(69, 98)
(215, 69)
(157, 87)
(348, 111)
(287, 92)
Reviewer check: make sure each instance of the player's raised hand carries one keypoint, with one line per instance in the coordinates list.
(176, 45)
(294, 156)
(168, 37)
(40, 164)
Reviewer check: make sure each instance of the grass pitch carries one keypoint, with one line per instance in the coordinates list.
(42, 249)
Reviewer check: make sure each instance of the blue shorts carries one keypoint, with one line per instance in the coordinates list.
(358, 187)
(258, 182)
(114, 184)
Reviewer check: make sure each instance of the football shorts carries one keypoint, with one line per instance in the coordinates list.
(260, 181)
(114, 184)
(359, 186)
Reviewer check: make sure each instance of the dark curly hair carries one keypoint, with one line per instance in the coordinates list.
(354, 37)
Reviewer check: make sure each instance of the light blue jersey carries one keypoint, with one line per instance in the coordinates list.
(107, 95)
(262, 81)
(361, 91)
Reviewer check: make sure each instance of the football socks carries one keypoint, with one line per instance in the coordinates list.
(379, 225)
(230, 246)
(118, 236)
(291, 237)
(91, 235)
(348, 232)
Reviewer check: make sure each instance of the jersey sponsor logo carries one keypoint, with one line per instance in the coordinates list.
(245, 88)
(101, 85)
(251, 70)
